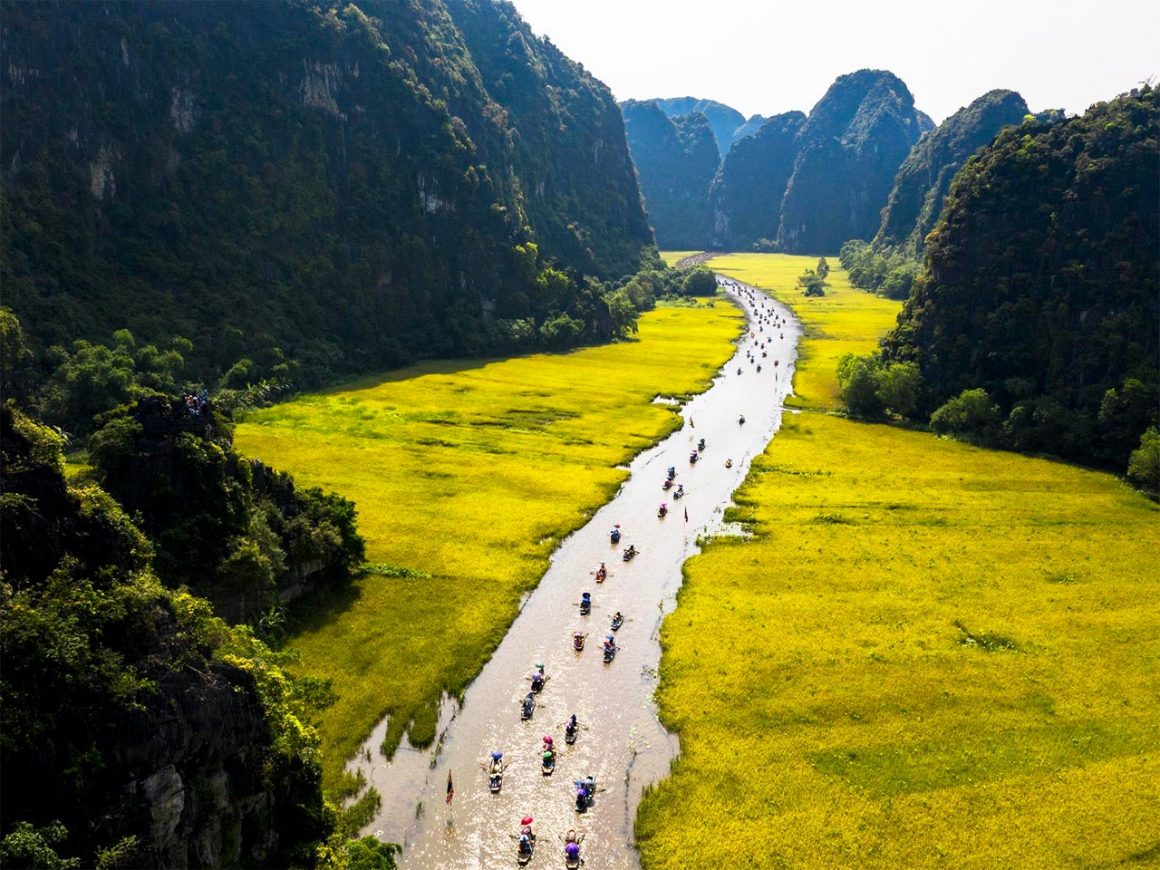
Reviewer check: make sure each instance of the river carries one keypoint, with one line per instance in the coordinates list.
(621, 741)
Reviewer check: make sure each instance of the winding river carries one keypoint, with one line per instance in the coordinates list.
(621, 742)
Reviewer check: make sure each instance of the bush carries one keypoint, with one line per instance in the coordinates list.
(699, 282)
(858, 380)
(871, 387)
(971, 413)
(1144, 463)
(898, 387)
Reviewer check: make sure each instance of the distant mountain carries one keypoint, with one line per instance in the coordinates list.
(1042, 285)
(925, 176)
(724, 120)
(745, 198)
(849, 149)
(354, 184)
(676, 159)
(925, 121)
(749, 128)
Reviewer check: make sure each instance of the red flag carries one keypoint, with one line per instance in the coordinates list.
(450, 788)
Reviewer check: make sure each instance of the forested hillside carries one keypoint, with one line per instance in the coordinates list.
(849, 149)
(139, 730)
(676, 159)
(925, 176)
(1036, 320)
(745, 198)
(349, 184)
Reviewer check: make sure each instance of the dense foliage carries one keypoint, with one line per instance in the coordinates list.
(746, 194)
(231, 530)
(849, 149)
(925, 176)
(138, 729)
(885, 270)
(348, 185)
(676, 159)
(1042, 288)
(724, 121)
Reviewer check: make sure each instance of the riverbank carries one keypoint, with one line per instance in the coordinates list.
(928, 654)
(466, 476)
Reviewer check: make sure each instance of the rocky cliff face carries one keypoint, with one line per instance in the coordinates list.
(345, 181)
(131, 714)
(925, 176)
(676, 159)
(746, 194)
(849, 150)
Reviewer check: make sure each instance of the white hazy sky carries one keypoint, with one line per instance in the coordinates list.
(768, 56)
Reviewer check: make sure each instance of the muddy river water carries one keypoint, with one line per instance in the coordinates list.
(621, 743)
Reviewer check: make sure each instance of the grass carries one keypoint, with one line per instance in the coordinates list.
(466, 476)
(928, 655)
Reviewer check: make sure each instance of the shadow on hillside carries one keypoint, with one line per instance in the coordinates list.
(319, 609)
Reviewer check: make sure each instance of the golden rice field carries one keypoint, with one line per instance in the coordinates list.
(671, 258)
(466, 475)
(929, 655)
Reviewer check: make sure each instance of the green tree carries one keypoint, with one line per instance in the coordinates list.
(811, 283)
(700, 281)
(823, 269)
(970, 414)
(26, 846)
(623, 312)
(858, 381)
(898, 387)
(368, 853)
(1144, 463)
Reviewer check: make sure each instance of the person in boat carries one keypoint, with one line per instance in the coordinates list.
(618, 617)
(701, 444)
(572, 851)
(496, 762)
(525, 844)
(614, 535)
(585, 600)
(578, 639)
(663, 509)
(549, 756)
(601, 572)
(728, 463)
(680, 491)
(741, 420)
(609, 643)
(672, 471)
(572, 724)
(631, 551)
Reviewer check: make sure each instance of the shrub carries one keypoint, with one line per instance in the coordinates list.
(971, 413)
(700, 282)
(1144, 463)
